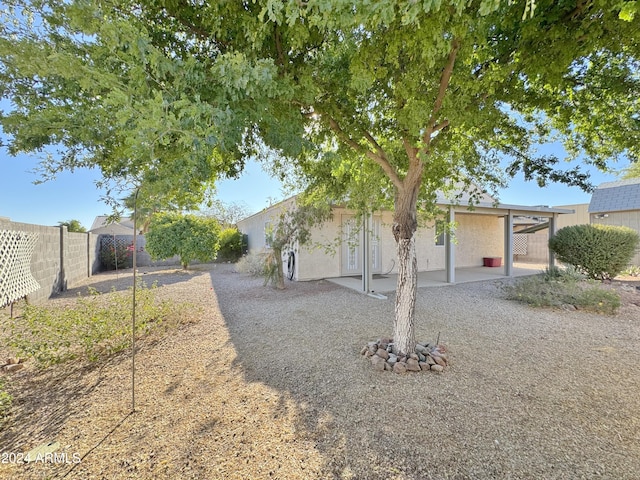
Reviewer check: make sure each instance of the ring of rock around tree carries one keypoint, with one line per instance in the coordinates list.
(426, 357)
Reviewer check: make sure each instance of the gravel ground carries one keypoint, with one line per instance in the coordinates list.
(270, 384)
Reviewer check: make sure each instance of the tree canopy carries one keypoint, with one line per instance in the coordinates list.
(73, 226)
(374, 103)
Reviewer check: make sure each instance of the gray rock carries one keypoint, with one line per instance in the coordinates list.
(414, 356)
(440, 360)
(413, 365)
(422, 358)
(378, 363)
(421, 349)
(437, 368)
(400, 367)
(382, 353)
(424, 366)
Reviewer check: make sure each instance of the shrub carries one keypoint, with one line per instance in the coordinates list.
(599, 251)
(632, 271)
(97, 327)
(253, 264)
(567, 274)
(230, 245)
(549, 291)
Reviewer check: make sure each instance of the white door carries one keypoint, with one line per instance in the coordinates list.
(351, 236)
(351, 262)
(376, 261)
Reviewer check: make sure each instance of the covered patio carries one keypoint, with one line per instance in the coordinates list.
(368, 283)
(381, 284)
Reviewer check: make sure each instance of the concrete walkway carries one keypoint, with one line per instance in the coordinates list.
(438, 278)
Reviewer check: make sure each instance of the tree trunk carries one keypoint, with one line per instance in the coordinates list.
(277, 252)
(405, 224)
(404, 337)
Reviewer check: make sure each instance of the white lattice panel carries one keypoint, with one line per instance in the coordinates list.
(16, 280)
(520, 243)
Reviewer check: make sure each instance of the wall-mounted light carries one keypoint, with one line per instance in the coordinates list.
(602, 215)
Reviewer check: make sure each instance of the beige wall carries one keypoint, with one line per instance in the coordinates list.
(537, 248)
(254, 226)
(580, 217)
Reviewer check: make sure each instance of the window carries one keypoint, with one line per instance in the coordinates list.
(268, 231)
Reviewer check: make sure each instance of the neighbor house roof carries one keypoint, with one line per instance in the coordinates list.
(616, 196)
(101, 226)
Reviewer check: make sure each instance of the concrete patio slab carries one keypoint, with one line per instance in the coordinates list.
(438, 278)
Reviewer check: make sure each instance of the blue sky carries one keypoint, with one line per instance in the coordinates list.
(74, 195)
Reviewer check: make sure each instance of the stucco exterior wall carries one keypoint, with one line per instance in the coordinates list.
(321, 258)
(254, 226)
(478, 236)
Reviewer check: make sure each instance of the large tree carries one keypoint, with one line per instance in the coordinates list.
(373, 102)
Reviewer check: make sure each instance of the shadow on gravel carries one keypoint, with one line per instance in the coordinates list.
(310, 338)
(520, 400)
(47, 400)
(123, 280)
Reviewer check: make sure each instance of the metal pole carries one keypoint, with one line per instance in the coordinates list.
(133, 315)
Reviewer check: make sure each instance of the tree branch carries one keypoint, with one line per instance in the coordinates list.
(278, 43)
(445, 78)
(379, 156)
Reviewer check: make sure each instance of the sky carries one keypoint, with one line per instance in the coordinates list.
(73, 196)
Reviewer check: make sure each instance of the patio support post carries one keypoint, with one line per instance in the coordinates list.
(450, 253)
(366, 253)
(508, 244)
(553, 222)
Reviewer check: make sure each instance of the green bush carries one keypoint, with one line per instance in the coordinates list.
(189, 237)
(97, 327)
(559, 290)
(599, 251)
(230, 245)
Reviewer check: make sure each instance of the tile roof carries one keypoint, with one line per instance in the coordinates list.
(616, 196)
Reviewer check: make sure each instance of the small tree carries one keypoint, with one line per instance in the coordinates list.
(293, 226)
(599, 251)
(188, 236)
(73, 226)
(230, 245)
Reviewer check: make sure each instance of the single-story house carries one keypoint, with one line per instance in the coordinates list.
(617, 203)
(340, 247)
